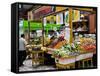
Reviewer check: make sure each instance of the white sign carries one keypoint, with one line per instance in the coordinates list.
(59, 18)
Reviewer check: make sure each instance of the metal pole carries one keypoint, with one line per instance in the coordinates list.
(43, 31)
(29, 31)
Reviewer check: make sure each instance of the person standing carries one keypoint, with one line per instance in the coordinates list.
(22, 50)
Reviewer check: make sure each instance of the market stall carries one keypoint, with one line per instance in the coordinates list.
(65, 38)
(79, 44)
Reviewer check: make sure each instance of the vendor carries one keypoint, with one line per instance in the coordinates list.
(50, 35)
(53, 33)
(22, 50)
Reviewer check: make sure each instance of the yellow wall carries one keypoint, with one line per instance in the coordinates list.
(49, 17)
(58, 8)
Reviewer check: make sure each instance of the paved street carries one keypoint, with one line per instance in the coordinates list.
(28, 67)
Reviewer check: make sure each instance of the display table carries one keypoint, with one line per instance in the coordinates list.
(65, 63)
(37, 55)
(69, 62)
(84, 56)
(37, 58)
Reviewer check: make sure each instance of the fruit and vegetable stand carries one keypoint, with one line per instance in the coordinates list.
(63, 59)
(65, 52)
(68, 61)
(68, 53)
